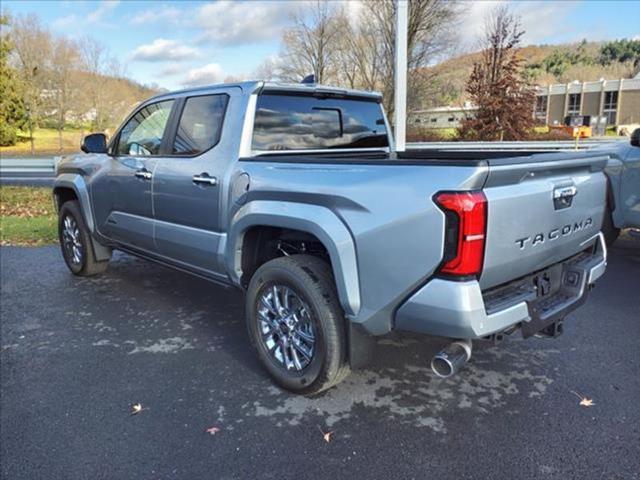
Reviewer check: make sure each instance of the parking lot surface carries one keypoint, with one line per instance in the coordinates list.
(78, 353)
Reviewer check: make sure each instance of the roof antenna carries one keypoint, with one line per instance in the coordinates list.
(309, 79)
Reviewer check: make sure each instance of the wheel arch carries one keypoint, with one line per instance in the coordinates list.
(318, 222)
(69, 186)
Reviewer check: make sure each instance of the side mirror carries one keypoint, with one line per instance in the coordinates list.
(635, 138)
(94, 143)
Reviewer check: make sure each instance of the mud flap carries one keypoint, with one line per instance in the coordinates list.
(361, 346)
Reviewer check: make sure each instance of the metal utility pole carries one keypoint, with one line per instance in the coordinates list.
(400, 112)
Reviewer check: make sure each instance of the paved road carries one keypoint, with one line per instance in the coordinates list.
(77, 353)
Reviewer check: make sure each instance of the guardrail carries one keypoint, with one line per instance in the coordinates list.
(28, 165)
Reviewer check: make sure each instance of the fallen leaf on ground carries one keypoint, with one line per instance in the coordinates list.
(584, 401)
(326, 436)
(212, 430)
(137, 408)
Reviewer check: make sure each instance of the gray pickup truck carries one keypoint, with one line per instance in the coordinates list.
(294, 193)
(623, 199)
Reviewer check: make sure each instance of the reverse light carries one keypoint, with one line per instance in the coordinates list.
(465, 231)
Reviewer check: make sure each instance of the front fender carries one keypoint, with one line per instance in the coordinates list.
(76, 183)
(313, 219)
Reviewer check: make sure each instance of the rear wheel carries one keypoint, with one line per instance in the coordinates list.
(609, 231)
(296, 323)
(75, 242)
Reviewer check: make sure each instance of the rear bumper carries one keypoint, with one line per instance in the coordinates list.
(461, 310)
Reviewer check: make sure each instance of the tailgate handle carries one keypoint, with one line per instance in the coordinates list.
(564, 192)
(563, 196)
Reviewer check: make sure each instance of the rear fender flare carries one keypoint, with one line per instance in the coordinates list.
(313, 219)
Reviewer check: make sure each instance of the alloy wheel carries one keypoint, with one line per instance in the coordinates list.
(72, 243)
(286, 327)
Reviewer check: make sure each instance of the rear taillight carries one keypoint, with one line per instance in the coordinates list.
(465, 231)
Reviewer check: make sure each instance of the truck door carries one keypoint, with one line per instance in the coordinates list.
(188, 184)
(121, 193)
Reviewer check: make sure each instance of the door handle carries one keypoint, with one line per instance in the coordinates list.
(205, 179)
(144, 174)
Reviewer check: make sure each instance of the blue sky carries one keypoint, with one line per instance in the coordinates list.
(175, 44)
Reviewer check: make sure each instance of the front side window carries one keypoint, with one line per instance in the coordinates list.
(142, 135)
(297, 122)
(200, 124)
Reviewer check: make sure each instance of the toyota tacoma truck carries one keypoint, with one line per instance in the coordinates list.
(623, 199)
(294, 194)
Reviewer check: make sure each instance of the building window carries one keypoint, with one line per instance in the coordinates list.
(541, 107)
(434, 120)
(574, 104)
(610, 107)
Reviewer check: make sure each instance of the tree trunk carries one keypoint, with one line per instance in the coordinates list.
(33, 147)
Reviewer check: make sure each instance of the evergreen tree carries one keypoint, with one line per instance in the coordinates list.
(12, 111)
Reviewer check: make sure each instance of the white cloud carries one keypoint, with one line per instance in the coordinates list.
(211, 73)
(161, 50)
(236, 23)
(540, 20)
(105, 7)
(165, 13)
(171, 70)
(95, 16)
(65, 22)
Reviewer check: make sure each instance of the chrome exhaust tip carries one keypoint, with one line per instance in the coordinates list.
(451, 359)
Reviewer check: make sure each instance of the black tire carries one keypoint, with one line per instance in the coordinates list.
(85, 264)
(609, 231)
(312, 281)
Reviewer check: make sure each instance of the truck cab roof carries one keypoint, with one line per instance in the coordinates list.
(254, 86)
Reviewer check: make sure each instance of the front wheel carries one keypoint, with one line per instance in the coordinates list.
(75, 242)
(296, 323)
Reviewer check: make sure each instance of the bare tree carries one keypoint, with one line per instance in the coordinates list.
(357, 53)
(268, 70)
(496, 85)
(356, 50)
(428, 37)
(63, 75)
(32, 47)
(95, 63)
(309, 46)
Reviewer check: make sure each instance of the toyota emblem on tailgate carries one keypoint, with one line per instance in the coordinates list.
(563, 196)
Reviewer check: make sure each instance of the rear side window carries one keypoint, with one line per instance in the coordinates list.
(200, 124)
(294, 122)
(142, 135)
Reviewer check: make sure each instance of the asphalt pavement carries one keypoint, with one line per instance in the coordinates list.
(78, 353)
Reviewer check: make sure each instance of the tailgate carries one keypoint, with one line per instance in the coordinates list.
(541, 210)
